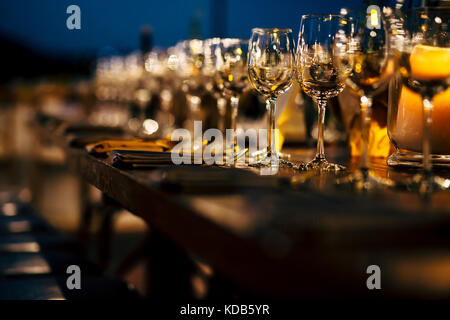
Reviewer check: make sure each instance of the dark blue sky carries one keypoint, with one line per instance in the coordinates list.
(41, 24)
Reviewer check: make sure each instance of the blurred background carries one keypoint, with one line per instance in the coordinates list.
(38, 41)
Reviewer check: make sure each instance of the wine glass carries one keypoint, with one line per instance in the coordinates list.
(423, 52)
(158, 111)
(271, 68)
(190, 63)
(365, 55)
(212, 51)
(318, 72)
(231, 65)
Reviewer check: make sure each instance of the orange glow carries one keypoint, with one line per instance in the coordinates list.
(430, 62)
(430, 273)
(409, 128)
(379, 144)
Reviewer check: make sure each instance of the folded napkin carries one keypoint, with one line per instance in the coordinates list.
(106, 146)
(141, 159)
(149, 158)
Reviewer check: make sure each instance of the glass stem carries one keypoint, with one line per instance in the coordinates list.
(366, 116)
(234, 113)
(426, 144)
(140, 131)
(194, 107)
(221, 107)
(270, 105)
(321, 106)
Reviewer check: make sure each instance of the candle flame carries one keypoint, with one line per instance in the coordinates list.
(374, 17)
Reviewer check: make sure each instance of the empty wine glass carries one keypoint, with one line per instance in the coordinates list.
(318, 72)
(212, 52)
(423, 53)
(231, 65)
(190, 63)
(271, 70)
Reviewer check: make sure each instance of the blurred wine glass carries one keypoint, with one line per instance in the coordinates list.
(157, 81)
(213, 83)
(112, 92)
(365, 55)
(190, 64)
(232, 74)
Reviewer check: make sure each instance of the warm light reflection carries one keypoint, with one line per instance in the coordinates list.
(379, 143)
(224, 211)
(35, 265)
(19, 226)
(150, 126)
(21, 247)
(428, 273)
(9, 209)
(409, 122)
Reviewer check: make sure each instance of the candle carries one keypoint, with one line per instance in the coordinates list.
(409, 128)
(427, 63)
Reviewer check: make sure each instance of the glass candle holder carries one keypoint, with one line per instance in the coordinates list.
(405, 127)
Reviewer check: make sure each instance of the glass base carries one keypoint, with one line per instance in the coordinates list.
(426, 183)
(321, 164)
(410, 159)
(272, 163)
(269, 161)
(364, 180)
(235, 158)
(262, 153)
(261, 159)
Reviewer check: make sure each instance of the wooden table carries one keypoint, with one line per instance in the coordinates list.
(270, 239)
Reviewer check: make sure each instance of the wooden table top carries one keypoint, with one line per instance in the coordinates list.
(277, 240)
(276, 236)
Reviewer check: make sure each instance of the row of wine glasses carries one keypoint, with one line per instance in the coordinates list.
(274, 65)
(217, 66)
(361, 50)
(194, 68)
(416, 44)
